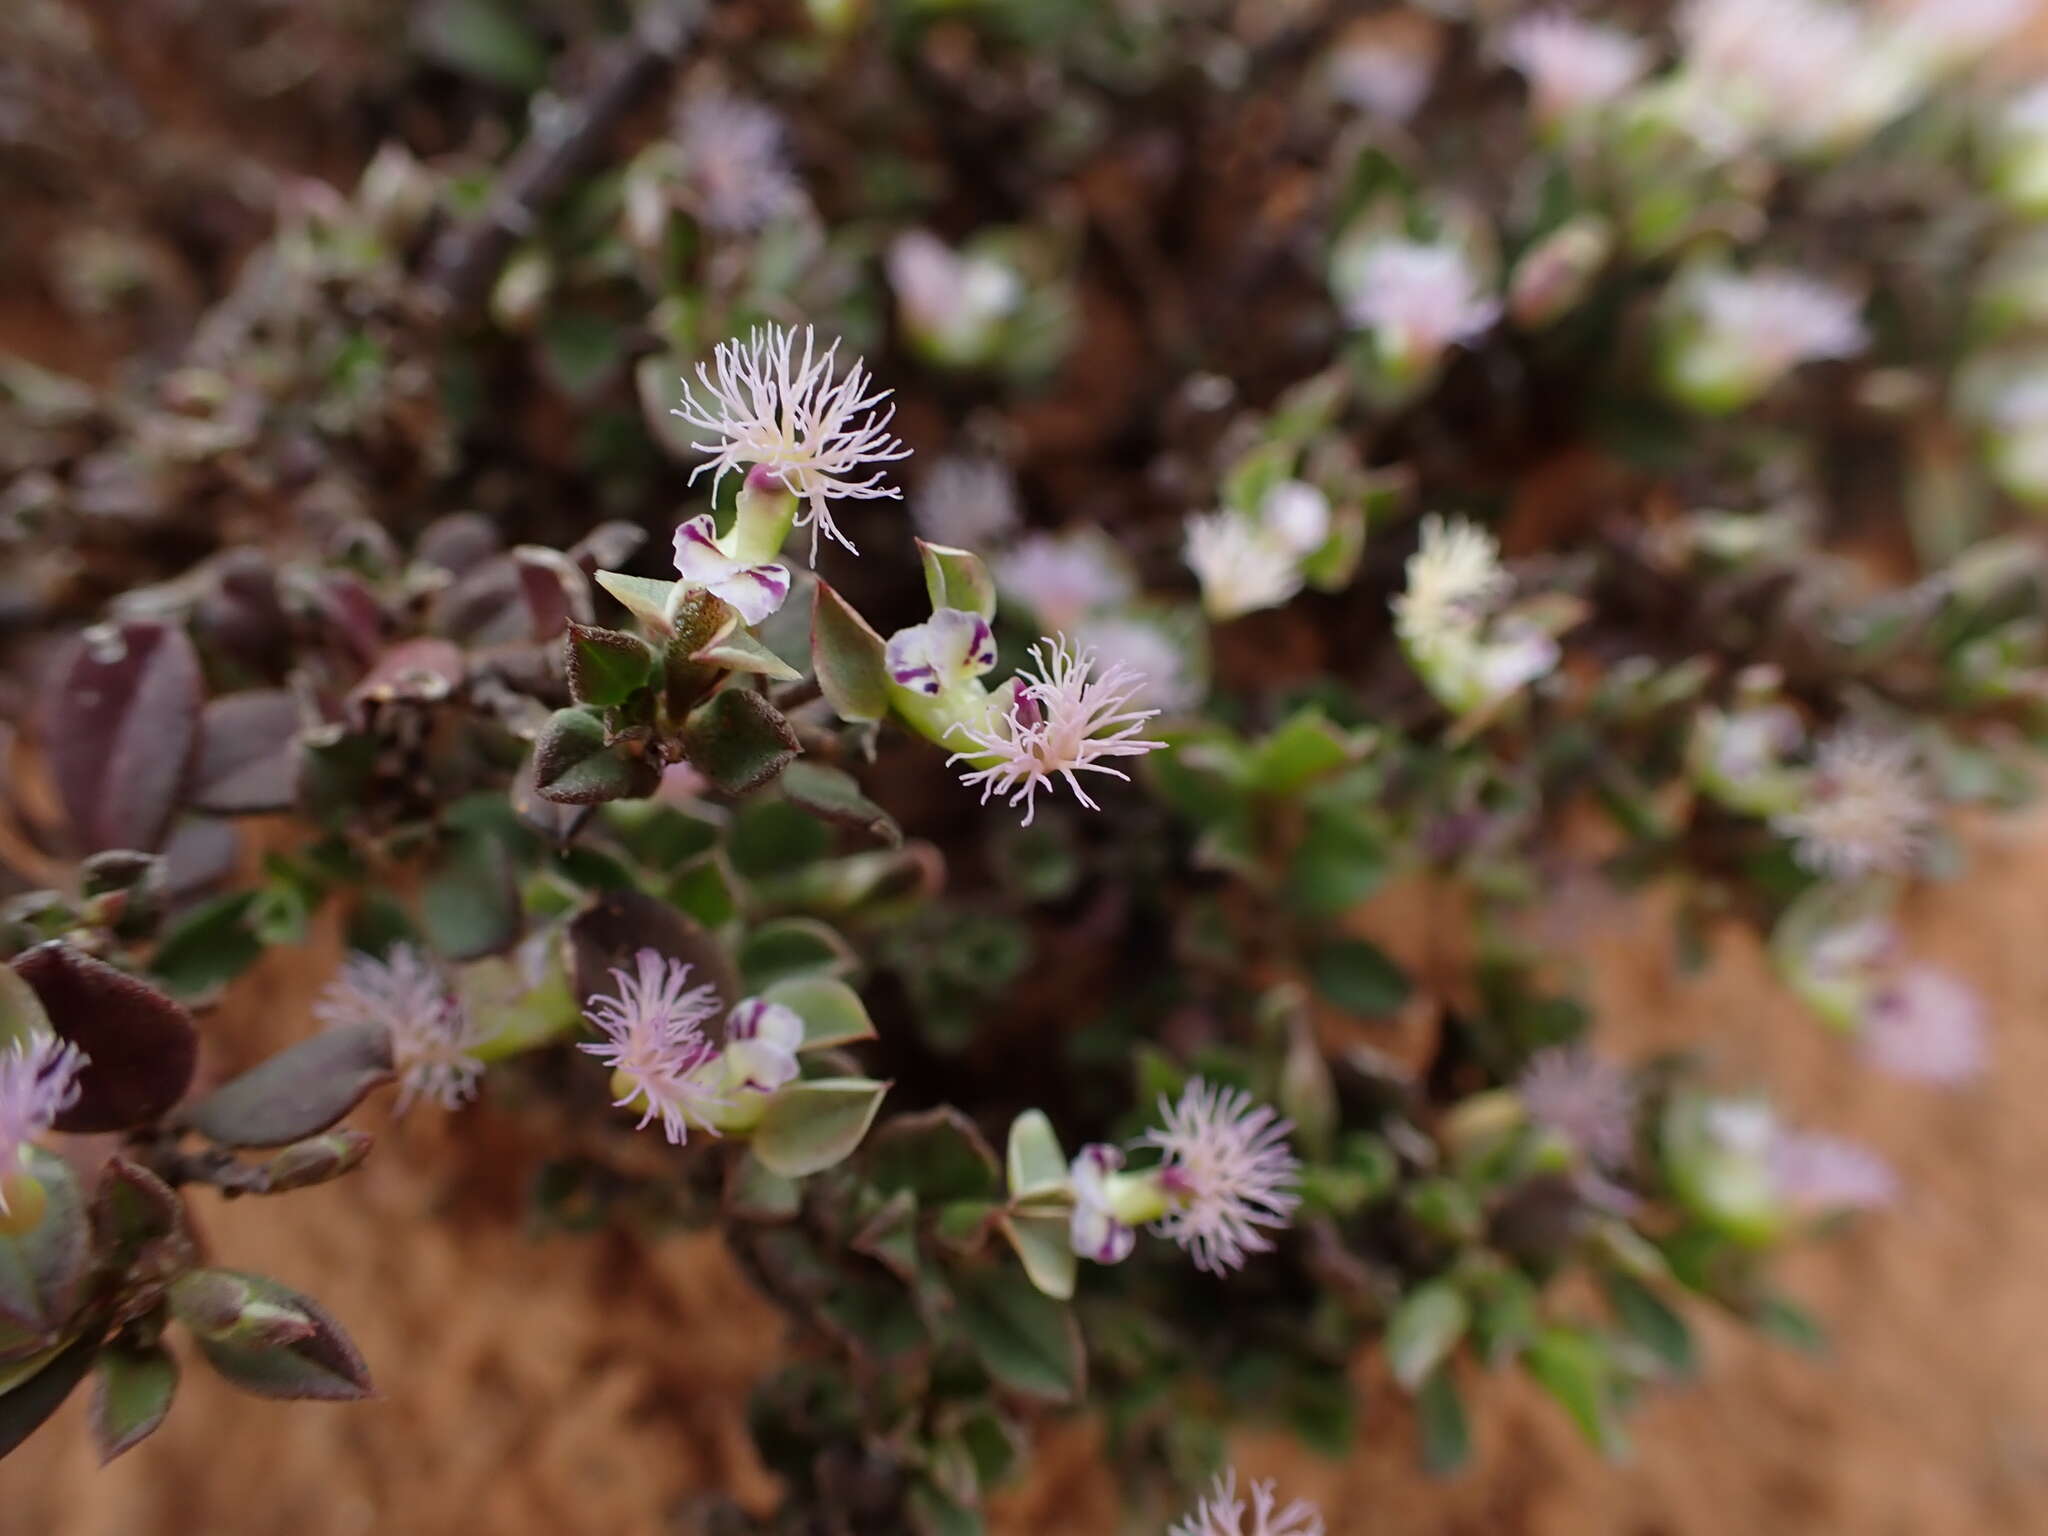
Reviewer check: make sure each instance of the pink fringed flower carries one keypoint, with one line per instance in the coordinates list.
(1062, 723)
(432, 1032)
(735, 162)
(655, 1045)
(1228, 1172)
(38, 1082)
(1223, 1513)
(765, 404)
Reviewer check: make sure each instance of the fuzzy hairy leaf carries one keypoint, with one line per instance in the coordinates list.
(299, 1092)
(43, 1267)
(141, 1045)
(847, 657)
(248, 753)
(131, 1393)
(738, 740)
(834, 795)
(121, 723)
(606, 666)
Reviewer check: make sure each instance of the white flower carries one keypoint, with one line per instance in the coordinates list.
(1228, 1173)
(1865, 809)
(1242, 567)
(734, 162)
(1455, 579)
(966, 503)
(1926, 1025)
(953, 646)
(1061, 724)
(38, 1082)
(1946, 34)
(767, 406)
(1774, 319)
(1166, 681)
(1297, 514)
(656, 1047)
(1573, 64)
(1808, 72)
(432, 1032)
(1223, 1513)
(1093, 1229)
(761, 1041)
(1584, 1099)
(755, 591)
(1063, 577)
(1417, 298)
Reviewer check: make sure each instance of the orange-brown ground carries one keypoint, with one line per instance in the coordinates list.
(592, 1383)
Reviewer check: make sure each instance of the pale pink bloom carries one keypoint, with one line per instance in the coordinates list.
(735, 163)
(1820, 1175)
(966, 503)
(655, 1041)
(1420, 297)
(1776, 319)
(1063, 577)
(754, 591)
(954, 299)
(1573, 64)
(1061, 724)
(1865, 809)
(1093, 1229)
(1229, 1172)
(433, 1033)
(38, 1082)
(1385, 70)
(1455, 579)
(1223, 1513)
(1926, 1025)
(1583, 1098)
(768, 406)
(1167, 682)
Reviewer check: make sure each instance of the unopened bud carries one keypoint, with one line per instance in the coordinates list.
(316, 1160)
(1554, 275)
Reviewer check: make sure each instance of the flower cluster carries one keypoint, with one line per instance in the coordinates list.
(1473, 653)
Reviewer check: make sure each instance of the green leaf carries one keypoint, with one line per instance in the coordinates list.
(1305, 748)
(832, 1012)
(847, 657)
(21, 1014)
(579, 350)
(815, 1124)
(1034, 1161)
(1446, 1437)
(484, 39)
(1044, 1246)
(645, 597)
(1025, 1340)
(956, 578)
(131, 1209)
(43, 1268)
(934, 1512)
(1358, 977)
(266, 1338)
(1651, 1322)
(835, 796)
(576, 763)
(936, 1154)
(1791, 1324)
(141, 1047)
(24, 1407)
(793, 946)
(299, 1092)
(469, 904)
(131, 1393)
(754, 1193)
(1339, 862)
(1573, 1368)
(738, 740)
(741, 652)
(208, 946)
(606, 666)
(1424, 1329)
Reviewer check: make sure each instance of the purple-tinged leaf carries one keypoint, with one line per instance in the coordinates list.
(248, 753)
(140, 1045)
(738, 740)
(299, 1092)
(268, 1339)
(120, 722)
(25, 1407)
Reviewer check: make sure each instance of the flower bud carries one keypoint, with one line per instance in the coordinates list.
(317, 1160)
(1554, 275)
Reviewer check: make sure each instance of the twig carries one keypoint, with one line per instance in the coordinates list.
(564, 142)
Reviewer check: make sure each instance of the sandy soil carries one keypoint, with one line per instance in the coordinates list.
(591, 1383)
